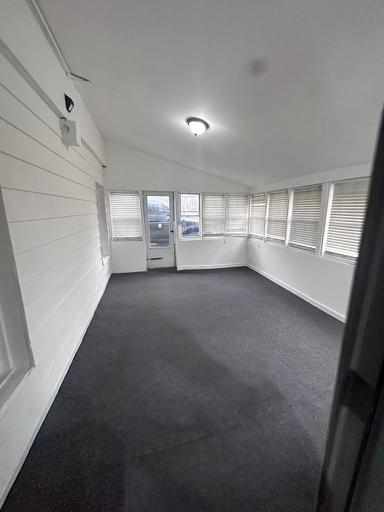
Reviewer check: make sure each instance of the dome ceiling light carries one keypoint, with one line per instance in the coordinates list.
(197, 126)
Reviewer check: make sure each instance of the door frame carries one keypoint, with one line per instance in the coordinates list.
(172, 223)
(360, 378)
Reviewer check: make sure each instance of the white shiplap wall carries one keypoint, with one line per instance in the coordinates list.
(49, 193)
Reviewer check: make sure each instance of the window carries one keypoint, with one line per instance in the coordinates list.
(103, 227)
(237, 214)
(159, 216)
(305, 220)
(190, 215)
(277, 215)
(15, 352)
(257, 215)
(126, 215)
(347, 205)
(213, 215)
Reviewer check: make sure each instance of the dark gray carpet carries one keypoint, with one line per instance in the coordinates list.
(193, 391)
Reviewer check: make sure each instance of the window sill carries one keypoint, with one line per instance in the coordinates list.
(133, 239)
(9, 387)
(216, 237)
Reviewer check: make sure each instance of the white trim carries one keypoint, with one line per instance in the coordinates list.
(291, 194)
(16, 349)
(325, 191)
(266, 216)
(328, 208)
(342, 173)
(173, 228)
(300, 294)
(46, 29)
(180, 237)
(207, 267)
(137, 270)
(191, 239)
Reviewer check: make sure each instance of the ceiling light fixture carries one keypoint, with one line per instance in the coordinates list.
(197, 126)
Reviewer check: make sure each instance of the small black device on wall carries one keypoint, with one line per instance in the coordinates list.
(69, 103)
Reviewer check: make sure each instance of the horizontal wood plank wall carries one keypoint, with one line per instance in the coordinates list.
(49, 193)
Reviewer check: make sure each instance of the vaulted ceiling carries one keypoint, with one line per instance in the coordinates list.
(289, 87)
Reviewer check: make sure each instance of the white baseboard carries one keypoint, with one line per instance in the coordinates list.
(207, 267)
(54, 390)
(300, 294)
(130, 271)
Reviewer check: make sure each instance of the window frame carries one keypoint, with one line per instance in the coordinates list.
(277, 241)
(214, 236)
(103, 222)
(326, 188)
(349, 260)
(294, 245)
(196, 237)
(14, 335)
(246, 224)
(129, 238)
(250, 234)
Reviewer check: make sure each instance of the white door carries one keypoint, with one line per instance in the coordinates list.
(159, 225)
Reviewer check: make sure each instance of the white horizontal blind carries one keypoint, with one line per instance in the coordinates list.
(189, 215)
(257, 215)
(189, 204)
(305, 219)
(237, 214)
(277, 215)
(126, 215)
(213, 214)
(346, 219)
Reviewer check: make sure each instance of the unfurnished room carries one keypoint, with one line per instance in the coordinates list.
(192, 256)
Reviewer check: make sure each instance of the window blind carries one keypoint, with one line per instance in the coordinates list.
(237, 214)
(189, 204)
(257, 215)
(305, 219)
(189, 215)
(277, 215)
(213, 214)
(346, 219)
(125, 215)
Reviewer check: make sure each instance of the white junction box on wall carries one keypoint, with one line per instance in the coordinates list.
(70, 133)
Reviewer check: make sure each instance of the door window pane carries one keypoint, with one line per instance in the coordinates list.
(159, 220)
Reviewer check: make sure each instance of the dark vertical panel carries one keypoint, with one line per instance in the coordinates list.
(359, 378)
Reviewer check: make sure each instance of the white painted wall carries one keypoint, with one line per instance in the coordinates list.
(50, 204)
(211, 253)
(128, 256)
(324, 282)
(141, 171)
(130, 169)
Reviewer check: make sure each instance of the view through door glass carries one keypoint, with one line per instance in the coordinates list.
(159, 220)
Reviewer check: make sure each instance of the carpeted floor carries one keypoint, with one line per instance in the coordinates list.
(193, 391)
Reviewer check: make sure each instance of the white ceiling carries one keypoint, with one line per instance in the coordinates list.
(290, 87)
